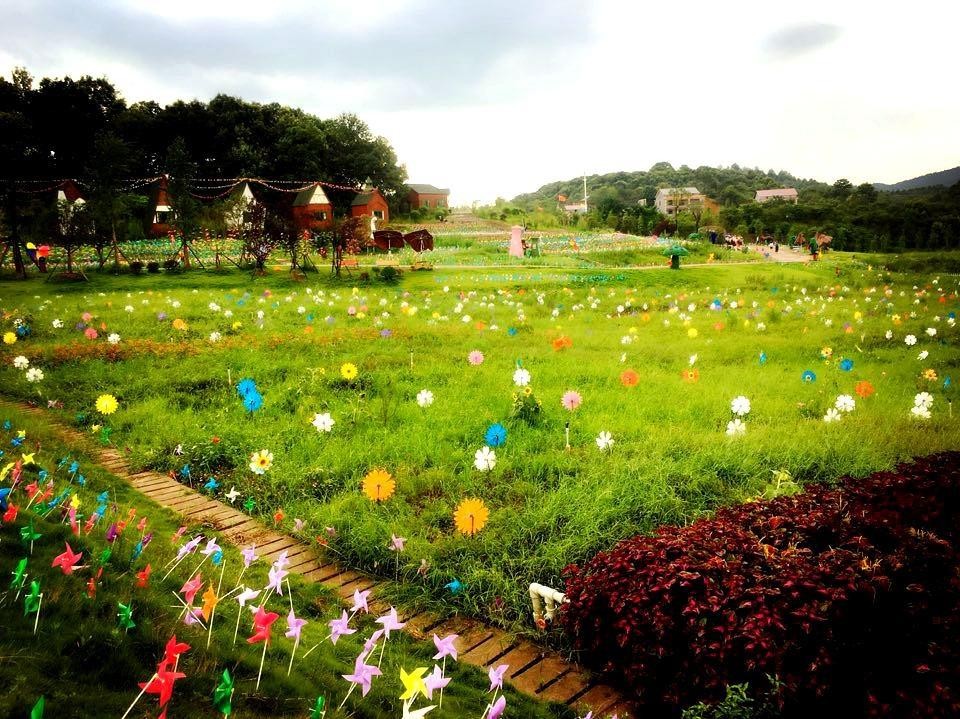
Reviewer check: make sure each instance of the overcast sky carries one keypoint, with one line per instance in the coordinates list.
(497, 97)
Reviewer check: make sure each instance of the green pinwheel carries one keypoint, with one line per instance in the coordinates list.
(28, 535)
(223, 694)
(249, 504)
(37, 711)
(31, 602)
(318, 708)
(19, 575)
(125, 616)
(105, 556)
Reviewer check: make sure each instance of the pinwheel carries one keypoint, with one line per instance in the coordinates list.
(223, 694)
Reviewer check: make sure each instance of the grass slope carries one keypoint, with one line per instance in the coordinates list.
(671, 462)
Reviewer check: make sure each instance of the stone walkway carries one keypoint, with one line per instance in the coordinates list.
(534, 670)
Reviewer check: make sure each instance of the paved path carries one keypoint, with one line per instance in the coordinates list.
(534, 670)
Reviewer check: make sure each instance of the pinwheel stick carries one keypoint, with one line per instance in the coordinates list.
(176, 564)
(262, 658)
(188, 608)
(296, 642)
(139, 697)
(36, 622)
(213, 610)
(352, 687)
(237, 630)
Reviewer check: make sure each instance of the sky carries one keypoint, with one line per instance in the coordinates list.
(499, 97)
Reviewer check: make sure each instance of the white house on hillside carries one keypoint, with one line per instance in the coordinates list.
(670, 200)
(787, 194)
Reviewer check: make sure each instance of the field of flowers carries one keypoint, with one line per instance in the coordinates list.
(470, 431)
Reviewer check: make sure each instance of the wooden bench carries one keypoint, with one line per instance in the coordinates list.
(349, 264)
(388, 261)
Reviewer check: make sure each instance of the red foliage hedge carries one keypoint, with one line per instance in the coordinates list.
(849, 594)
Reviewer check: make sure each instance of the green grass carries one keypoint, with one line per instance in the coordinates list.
(671, 462)
(86, 666)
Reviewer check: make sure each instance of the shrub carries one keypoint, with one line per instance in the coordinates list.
(136, 267)
(849, 595)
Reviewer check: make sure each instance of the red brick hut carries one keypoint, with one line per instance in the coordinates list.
(370, 203)
(312, 210)
(427, 196)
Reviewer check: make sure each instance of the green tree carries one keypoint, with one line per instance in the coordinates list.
(842, 188)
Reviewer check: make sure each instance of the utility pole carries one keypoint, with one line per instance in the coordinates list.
(585, 208)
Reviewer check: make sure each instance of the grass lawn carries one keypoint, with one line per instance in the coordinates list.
(695, 339)
(86, 665)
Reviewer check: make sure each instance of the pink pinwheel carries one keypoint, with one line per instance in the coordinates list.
(294, 626)
(249, 555)
(194, 616)
(496, 711)
(211, 548)
(190, 588)
(371, 642)
(67, 561)
(360, 601)
(390, 622)
(496, 676)
(363, 674)
(435, 681)
(445, 647)
(276, 575)
(340, 627)
(282, 560)
(189, 547)
(396, 543)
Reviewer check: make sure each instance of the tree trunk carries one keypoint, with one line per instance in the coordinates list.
(116, 248)
(69, 260)
(19, 267)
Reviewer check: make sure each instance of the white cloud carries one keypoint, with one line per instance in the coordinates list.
(498, 100)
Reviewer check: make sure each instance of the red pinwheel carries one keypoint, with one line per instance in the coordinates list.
(162, 685)
(262, 621)
(143, 576)
(172, 652)
(68, 560)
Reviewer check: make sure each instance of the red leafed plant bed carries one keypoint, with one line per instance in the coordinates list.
(848, 594)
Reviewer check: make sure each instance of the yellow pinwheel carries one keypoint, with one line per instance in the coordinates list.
(413, 683)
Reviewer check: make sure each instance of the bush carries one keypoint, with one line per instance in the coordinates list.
(849, 595)
(136, 267)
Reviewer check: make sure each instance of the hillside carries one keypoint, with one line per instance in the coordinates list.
(728, 185)
(944, 178)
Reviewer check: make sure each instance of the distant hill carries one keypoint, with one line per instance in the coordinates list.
(944, 178)
(616, 190)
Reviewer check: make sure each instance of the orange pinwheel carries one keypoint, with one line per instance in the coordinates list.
(471, 516)
(378, 485)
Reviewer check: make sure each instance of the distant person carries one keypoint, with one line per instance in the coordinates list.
(776, 247)
(814, 248)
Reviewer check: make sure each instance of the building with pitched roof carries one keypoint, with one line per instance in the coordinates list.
(787, 194)
(312, 210)
(427, 196)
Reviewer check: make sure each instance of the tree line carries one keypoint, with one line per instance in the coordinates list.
(83, 129)
(860, 218)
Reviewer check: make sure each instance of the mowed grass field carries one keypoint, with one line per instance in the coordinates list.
(695, 338)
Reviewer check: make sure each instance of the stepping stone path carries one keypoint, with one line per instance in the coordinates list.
(534, 670)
